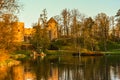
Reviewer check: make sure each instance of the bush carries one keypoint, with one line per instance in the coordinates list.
(55, 45)
(110, 45)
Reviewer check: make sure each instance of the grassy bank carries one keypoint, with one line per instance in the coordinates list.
(66, 46)
(112, 52)
(70, 52)
(6, 60)
(21, 54)
(59, 52)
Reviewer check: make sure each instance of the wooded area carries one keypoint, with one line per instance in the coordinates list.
(75, 29)
(100, 33)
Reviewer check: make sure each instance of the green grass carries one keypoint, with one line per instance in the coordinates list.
(69, 52)
(58, 52)
(21, 54)
(25, 52)
(113, 52)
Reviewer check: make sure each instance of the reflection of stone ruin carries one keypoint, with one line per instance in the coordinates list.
(21, 72)
(54, 74)
(24, 34)
(18, 72)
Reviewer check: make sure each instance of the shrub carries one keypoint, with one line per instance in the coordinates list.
(110, 45)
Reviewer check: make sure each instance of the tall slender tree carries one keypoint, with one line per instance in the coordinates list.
(118, 25)
(112, 30)
(88, 34)
(59, 27)
(66, 21)
(75, 26)
(102, 21)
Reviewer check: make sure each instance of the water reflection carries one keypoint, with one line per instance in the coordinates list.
(115, 72)
(64, 68)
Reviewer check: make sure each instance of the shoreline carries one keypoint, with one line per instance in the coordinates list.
(64, 52)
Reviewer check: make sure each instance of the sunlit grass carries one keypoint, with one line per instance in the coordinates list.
(112, 52)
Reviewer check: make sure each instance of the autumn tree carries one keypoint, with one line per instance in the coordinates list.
(87, 34)
(75, 27)
(102, 21)
(118, 25)
(8, 11)
(66, 21)
(75, 16)
(112, 30)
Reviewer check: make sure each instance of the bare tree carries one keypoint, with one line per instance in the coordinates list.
(66, 20)
(118, 13)
(59, 27)
(9, 7)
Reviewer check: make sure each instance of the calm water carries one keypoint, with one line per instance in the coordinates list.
(65, 68)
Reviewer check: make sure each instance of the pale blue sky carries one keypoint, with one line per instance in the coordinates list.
(32, 8)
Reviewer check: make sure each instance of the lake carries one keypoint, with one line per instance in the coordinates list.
(65, 68)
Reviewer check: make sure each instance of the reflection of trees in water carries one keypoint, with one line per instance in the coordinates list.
(84, 68)
(41, 68)
(115, 72)
(4, 73)
(71, 72)
(38, 68)
(18, 72)
(87, 69)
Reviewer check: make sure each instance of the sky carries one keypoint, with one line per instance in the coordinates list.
(32, 9)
